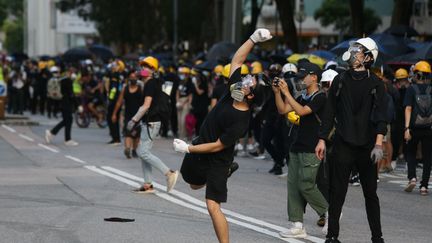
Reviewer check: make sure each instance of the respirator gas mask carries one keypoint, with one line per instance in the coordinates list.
(350, 56)
(237, 89)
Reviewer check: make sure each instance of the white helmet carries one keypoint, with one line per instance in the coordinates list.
(328, 76)
(329, 64)
(54, 69)
(289, 67)
(370, 45)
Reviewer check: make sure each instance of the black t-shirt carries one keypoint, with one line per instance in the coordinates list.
(308, 131)
(152, 89)
(200, 102)
(409, 100)
(226, 123)
(185, 88)
(219, 90)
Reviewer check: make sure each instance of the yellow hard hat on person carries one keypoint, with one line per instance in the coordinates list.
(150, 61)
(293, 117)
(119, 66)
(161, 70)
(194, 72)
(226, 70)
(50, 63)
(218, 69)
(42, 65)
(256, 67)
(244, 70)
(184, 70)
(401, 73)
(422, 66)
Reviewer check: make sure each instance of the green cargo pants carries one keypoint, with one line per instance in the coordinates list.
(302, 172)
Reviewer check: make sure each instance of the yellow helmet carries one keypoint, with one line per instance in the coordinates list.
(198, 62)
(218, 69)
(161, 70)
(401, 73)
(194, 72)
(293, 118)
(184, 70)
(422, 66)
(119, 66)
(51, 63)
(150, 61)
(226, 70)
(256, 67)
(42, 65)
(244, 70)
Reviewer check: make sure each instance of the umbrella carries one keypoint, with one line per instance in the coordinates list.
(77, 54)
(324, 54)
(221, 51)
(278, 58)
(19, 56)
(342, 47)
(207, 65)
(131, 57)
(425, 53)
(101, 51)
(390, 44)
(312, 58)
(401, 30)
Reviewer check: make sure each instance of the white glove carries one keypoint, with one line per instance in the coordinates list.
(181, 146)
(261, 35)
(130, 125)
(80, 109)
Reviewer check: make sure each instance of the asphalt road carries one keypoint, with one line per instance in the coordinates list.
(55, 193)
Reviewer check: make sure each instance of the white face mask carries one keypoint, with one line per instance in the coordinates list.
(237, 88)
(350, 55)
(182, 77)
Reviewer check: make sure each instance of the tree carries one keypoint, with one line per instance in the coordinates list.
(11, 20)
(286, 17)
(354, 24)
(402, 11)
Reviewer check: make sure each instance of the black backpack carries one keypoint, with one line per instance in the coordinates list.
(162, 106)
(421, 116)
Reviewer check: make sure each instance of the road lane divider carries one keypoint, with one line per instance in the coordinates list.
(26, 137)
(75, 159)
(10, 129)
(48, 148)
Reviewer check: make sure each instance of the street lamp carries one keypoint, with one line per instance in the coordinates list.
(300, 17)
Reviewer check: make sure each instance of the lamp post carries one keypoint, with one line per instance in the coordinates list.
(300, 17)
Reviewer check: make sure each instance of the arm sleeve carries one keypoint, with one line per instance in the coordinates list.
(329, 110)
(381, 126)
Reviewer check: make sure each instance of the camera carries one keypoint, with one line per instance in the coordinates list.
(276, 81)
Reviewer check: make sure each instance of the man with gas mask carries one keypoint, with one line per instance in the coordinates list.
(208, 161)
(303, 165)
(356, 101)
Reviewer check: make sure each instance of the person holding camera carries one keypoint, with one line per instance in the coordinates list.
(303, 165)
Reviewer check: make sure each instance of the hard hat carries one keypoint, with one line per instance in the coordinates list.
(119, 66)
(422, 66)
(150, 61)
(401, 73)
(256, 67)
(184, 70)
(293, 117)
(330, 64)
(198, 62)
(51, 63)
(370, 45)
(328, 76)
(244, 70)
(276, 68)
(194, 72)
(218, 69)
(161, 70)
(54, 69)
(226, 70)
(289, 67)
(42, 65)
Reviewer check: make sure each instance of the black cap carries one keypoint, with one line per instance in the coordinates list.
(308, 68)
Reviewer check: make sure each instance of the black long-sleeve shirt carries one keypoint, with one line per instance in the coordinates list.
(353, 106)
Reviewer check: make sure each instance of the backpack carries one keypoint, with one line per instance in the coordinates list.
(162, 108)
(421, 116)
(54, 89)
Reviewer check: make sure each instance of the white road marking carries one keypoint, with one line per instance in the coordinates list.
(75, 159)
(48, 148)
(190, 206)
(10, 129)
(202, 204)
(26, 137)
(389, 175)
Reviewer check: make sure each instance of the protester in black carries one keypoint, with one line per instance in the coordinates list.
(67, 109)
(113, 87)
(418, 126)
(356, 100)
(209, 160)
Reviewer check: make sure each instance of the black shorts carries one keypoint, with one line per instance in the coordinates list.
(197, 170)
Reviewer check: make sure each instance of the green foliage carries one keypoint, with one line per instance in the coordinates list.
(337, 12)
(14, 35)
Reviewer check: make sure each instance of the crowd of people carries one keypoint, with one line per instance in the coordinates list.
(331, 125)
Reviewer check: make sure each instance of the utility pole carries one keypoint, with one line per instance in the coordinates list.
(175, 34)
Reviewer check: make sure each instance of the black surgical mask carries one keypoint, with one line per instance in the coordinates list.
(133, 81)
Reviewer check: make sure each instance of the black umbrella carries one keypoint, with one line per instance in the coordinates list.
(391, 45)
(101, 51)
(207, 65)
(401, 30)
(342, 47)
(77, 54)
(221, 51)
(19, 56)
(424, 53)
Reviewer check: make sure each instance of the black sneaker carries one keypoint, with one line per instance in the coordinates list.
(233, 167)
(134, 153)
(144, 190)
(127, 153)
(379, 240)
(278, 171)
(354, 181)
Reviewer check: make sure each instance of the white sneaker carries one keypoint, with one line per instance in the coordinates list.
(71, 143)
(239, 147)
(297, 231)
(411, 185)
(283, 176)
(48, 136)
(260, 157)
(171, 180)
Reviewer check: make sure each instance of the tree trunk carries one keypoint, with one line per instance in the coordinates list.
(255, 13)
(357, 7)
(402, 12)
(286, 17)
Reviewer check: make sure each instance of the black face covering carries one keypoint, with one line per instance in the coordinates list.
(133, 81)
(358, 75)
